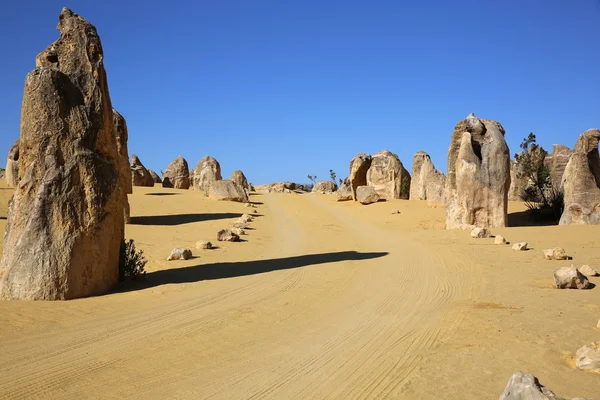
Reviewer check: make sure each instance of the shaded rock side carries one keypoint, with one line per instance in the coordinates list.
(139, 174)
(155, 176)
(581, 182)
(239, 179)
(65, 220)
(359, 166)
(227, 191)
(12, 165)
(388, 176)
(208, 170)
(478, 175)
(427, 183)
(121, 135)
(177, 174)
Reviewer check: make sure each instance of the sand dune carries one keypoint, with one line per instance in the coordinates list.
(321, 300)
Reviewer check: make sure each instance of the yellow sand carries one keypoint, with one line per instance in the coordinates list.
(322, 300)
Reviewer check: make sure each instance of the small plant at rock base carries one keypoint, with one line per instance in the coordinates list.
(131, 262)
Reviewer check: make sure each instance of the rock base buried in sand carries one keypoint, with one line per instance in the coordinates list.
(520, 246)
(480, 233)
(203, 245)
(588, 357)
(524, 386)
(180, 254)
(226, 235)
(570, 278)
(588, 271)
(556, 253)
(499, 239)
(366, 195)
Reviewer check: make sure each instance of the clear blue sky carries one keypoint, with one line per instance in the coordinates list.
(282, 89)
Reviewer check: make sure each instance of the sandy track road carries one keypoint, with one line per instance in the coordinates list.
(328, 306)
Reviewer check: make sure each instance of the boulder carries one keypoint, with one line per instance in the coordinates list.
(239, 179)
(570, 278)
(344, 192)
(499, 239)
(238, 231)
(203, 245)
(588, 271)
(180, 254)
(227, 191)
(65, 221)
(427, 183)
(325, 187)
(557, 162)
(12, 165)
(520, 246)
(581, 182)
(524, 386)
(208, 170)
(226, 235)
(155, 176)
(555, 253)
(388, 176)
(480, 233)
(366, 195)
(177, 174)
(588, 357)
(139, 174)
(359, 166)
(478, 175)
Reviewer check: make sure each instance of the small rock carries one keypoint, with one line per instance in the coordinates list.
(366, 195)
(556, 253)
(588, 357)
(570, 278)
(524, 386)
(239, 224)
(238, 231)
(480, 233)
(226, 235)
(203, 244)
(180, 254)
(246, 218)
(396, 212)
(520, 246)
(255, 211)
(249, 205)
(588, 271)
(499, 239)
(598, 326)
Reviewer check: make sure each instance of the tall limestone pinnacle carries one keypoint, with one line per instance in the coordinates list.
(65, 220)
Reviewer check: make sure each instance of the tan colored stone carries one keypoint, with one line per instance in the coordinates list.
(570, 278)
(555, 253)
(359, 166)
(587, 357)
(208, 171)
(238, 231)
(366, 195)
(226, 235)
(155, 176)
(388, 176)
(139, 174)
(499, 239)
(227, 191)
(344, 192)
(427, 183)
(557, 162)
(478, 175)
(180, 254)
(325, 187)
(581, 182)
(239, 179)
(480, 233)
(12, 165)
(520, 246)
(203, 245)
(65, 222)
(177, 174)
(588, 271)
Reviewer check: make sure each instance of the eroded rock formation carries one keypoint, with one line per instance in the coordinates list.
(139, 174)
(388, 176)
(155, 176)
(427, 183)
(177, 174)
(557, 162)
(65, 220)
(325, 187)
(581, 182)
(359, 166)
(478, 175)
(228, 191)
(208, 170)
(239, 179)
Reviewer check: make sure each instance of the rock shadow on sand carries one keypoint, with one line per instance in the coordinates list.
(225, 270)
(180, 219)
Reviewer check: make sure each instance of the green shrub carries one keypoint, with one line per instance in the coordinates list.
(549, 209)
(131, 262)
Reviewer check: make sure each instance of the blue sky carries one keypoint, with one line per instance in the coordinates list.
(282, 89)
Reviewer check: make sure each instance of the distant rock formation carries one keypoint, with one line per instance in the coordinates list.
(239, 179)
(388, 176)
(155, 176)
(277, 187)
(325, 187)
(478, 175)
(65, 221)
(139, 174)
(427, 183)
(516, 183)
(177, 174)
(557, 162)
(581, 182)
(344, 193)
(120, 133)
(359, 166)
(12, 165)
(208, 170)
(228, 191)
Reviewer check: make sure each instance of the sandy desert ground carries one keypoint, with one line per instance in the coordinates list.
(323, 300)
